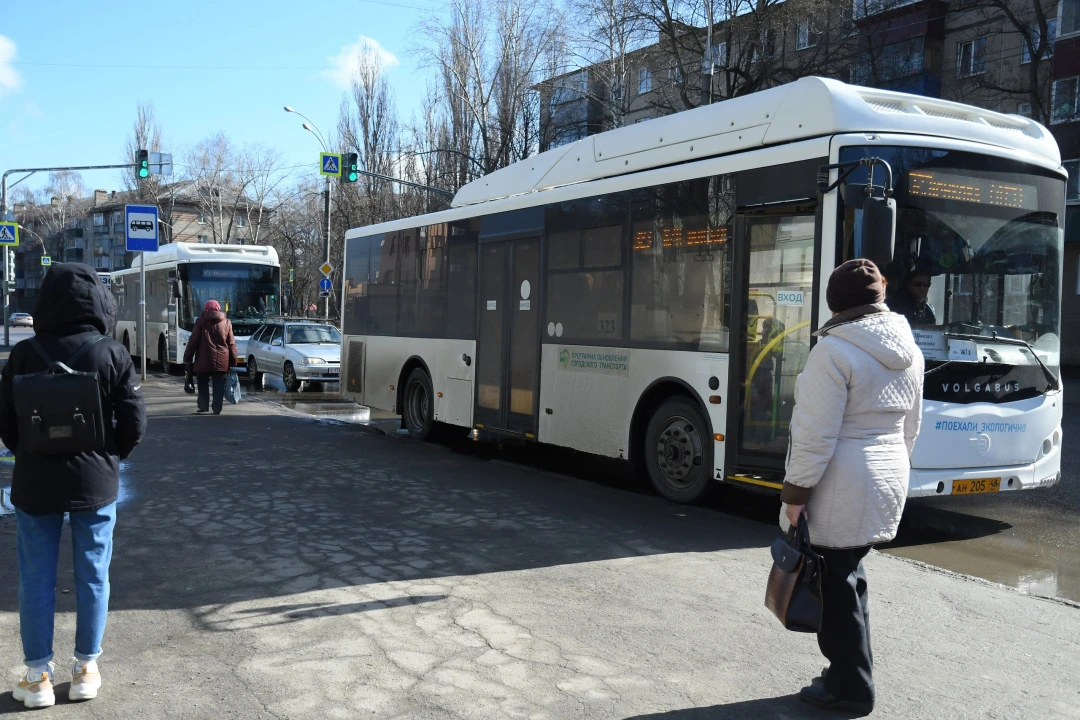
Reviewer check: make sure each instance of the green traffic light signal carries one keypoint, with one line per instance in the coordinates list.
(352, 160)
(142, 159)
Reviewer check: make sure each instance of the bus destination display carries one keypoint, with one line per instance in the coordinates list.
(951, 186)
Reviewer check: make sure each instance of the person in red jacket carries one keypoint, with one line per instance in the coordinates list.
(212, 347)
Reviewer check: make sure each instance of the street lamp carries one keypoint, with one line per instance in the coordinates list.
(312, 128)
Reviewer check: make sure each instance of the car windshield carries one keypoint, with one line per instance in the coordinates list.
(979, 254)
(313, 335)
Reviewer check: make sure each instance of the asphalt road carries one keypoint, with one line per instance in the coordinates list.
(1027, 540)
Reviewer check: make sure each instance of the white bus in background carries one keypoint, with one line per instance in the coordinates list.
(650, 293)
(180, 278)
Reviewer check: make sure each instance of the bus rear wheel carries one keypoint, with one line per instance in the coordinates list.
(418, 409)
(678, 452)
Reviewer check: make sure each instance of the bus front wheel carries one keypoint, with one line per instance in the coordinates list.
(419, 406)
(163, 356)
(678, 451)
(127, 343)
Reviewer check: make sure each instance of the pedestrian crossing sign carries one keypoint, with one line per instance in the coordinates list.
(9, 234)
(330, 164)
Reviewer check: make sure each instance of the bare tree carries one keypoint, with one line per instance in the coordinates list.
(608, 40)
(145, 135)
(232, 188)
(487, 53)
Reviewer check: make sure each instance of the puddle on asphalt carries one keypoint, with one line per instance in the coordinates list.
(340, 411)
(321, 402)
(1006, 559)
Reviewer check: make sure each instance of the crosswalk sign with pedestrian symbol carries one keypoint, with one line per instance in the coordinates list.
(330, 164)
(9, 234)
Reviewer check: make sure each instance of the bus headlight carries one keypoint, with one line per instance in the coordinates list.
(314, 361)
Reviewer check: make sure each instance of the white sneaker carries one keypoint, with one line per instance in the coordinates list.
(35, 690)
(85, 681)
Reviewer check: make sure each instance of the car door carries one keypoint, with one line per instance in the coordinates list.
(275, 351)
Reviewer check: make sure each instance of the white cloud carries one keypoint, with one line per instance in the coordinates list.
(352, 57)
(10, 80)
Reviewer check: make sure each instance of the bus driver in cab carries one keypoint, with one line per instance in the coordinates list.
(911, 300)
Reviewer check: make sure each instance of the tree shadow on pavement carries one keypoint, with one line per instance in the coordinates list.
(784, 707)
(255, 504)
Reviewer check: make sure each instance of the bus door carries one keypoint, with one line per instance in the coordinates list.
(508, 345)
(773, 299)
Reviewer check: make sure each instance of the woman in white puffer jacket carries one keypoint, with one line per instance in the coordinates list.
(857, 411)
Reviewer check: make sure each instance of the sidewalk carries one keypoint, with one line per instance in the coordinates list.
(268, 566)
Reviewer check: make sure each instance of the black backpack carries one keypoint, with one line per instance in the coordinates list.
(59, 408)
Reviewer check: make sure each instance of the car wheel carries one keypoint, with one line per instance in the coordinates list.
(418, 409)
(289, 378)
(679, 452)
(254, 374)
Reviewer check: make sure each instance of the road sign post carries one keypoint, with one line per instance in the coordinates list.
(141, 229)
(9, 238)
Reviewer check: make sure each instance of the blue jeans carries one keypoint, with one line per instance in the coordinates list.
(38, 539)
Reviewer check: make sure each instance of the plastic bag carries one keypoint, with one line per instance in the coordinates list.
(232, 388)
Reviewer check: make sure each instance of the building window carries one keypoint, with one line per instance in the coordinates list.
(1024, 109)
(719, 54)
(1064, 100)
(644, 82)
(807, 35)
(99, 219)
(1072, 188)
(583, 83)
(1070, 17)
(1036, 38)
(971, 57)
(204, 239)
(202, 218)
(241, 221)
(675, 75)
(768, 43)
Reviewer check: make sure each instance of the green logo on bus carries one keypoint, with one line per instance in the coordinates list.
(564, 357)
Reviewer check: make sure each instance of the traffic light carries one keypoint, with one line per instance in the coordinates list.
(351, 174)
(142, 163)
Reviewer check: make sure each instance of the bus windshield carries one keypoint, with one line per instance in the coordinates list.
(248, 293)
(979, 253)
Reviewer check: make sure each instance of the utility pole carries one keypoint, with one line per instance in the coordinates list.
(708, 64)
(3, 213)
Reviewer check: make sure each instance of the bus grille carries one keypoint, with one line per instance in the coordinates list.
(355, 367)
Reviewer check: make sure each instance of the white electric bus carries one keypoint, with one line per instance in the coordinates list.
(650, 293)
(180, 278)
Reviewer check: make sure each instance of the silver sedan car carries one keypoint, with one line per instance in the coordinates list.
(297, 351)
(21, 320)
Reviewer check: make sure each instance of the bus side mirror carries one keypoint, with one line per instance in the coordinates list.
(174, 288)
(877, 238)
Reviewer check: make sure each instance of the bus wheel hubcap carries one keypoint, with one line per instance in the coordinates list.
(418, 405)
(678, 451)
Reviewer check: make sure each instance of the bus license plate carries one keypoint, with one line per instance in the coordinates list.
(975, 486)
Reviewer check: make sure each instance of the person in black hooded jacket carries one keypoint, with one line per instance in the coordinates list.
(73, 307)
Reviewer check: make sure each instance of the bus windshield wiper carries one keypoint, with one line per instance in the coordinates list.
(1055, 384)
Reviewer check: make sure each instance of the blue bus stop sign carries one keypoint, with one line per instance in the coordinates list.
(141, 228)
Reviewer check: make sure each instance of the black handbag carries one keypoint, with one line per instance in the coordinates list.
(793, 593)
(189, 380)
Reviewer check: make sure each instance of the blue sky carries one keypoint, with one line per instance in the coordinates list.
(72, 73)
